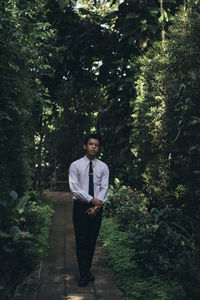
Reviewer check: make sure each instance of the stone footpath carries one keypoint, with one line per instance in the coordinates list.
(58, 274)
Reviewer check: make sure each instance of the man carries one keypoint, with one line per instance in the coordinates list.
(88, 181)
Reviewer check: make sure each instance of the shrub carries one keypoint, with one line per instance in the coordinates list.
(38, 220)
(158, 243)
(12, 241)
(124, 202)
(162, 241)
(23, 239)
(135, 284)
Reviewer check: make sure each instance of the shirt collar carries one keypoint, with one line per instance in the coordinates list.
(93, 161)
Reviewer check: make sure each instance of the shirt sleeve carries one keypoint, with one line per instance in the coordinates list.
(74, 185)
(104, 185)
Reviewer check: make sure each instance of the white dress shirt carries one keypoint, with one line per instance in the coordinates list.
(79, 179)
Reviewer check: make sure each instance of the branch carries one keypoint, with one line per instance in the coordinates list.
(179, 131)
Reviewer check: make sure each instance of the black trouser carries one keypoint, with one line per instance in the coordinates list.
(86, 229)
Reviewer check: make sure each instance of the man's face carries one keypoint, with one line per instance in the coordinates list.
(92, 148)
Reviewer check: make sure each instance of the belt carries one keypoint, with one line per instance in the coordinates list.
(79, 201)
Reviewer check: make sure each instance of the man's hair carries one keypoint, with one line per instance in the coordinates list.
(92, 136)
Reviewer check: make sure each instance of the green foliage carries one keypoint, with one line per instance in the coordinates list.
(23, 240)
(24, 36)
(12, 239)
(11, 209)
(134, 284)
(158, 246)
(165, 133)
(75, 56)
(125, 203)
(162, 242)
(165, 144)
(135, 27)
(38, 220)
(183, 108)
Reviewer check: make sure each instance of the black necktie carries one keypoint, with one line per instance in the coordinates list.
(91, 184)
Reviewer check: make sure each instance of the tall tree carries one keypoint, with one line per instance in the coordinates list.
(133, 28)
(24, 36)
(166, 125)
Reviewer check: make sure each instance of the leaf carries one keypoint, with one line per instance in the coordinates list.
(193, 75)
(153, 11)
(3, 203)
(15, 233)
(4, 116)
(143, 21)
(117, 182)
(192, 148)
(4, 234)
(155, 227)
(22, 201)
(195, 120)
(14, 195)
(132, 15)
(166, 16)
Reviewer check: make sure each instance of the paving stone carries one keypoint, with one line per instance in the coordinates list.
(72, 268)
(52, 273)
(55, 251)
(71, 285)
(54, 257)
(59, 212)
(56, 239)
(104, 276)
(69, 227)
(70, 247)
(80, 296)
(55, 228)
(109, 297)
(108, 294)
(51, 291)
(60, 222)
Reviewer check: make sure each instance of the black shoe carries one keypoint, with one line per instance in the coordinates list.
(83, 281)
(91, 276)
